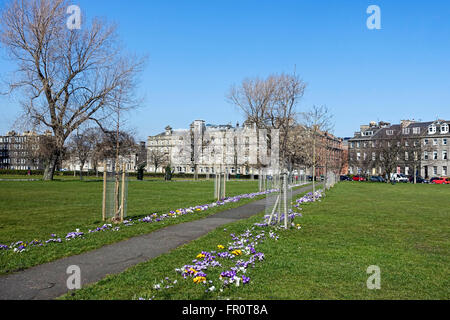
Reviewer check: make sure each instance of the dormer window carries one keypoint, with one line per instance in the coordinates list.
(406, 130)
(432, 129)
(390, 132)
(444, 128)
(416, 130)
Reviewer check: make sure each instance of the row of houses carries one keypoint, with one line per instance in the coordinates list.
(377, 148)
(410, 147)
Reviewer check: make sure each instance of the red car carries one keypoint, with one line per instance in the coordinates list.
(441, 181)
(359, 178)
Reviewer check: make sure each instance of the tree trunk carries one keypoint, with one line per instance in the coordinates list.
(314, 169)
(415, 175)
(81, 171)
(50, 167)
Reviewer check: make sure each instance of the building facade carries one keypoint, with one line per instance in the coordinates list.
(132, 162)
(330, 155)
(17, 151)
(209, 149)
(414, 147)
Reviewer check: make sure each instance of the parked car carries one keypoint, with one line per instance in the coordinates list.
(441, 181)
(345, 178)
(433, 179)
(359, 178)
(377, 179)
(399, 177)
(419, 179)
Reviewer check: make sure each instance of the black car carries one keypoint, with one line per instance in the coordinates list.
(419, 179)
(434, 178)
(377, 179)
(345, 178)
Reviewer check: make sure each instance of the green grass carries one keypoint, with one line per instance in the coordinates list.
(34, 210)
(403, 229)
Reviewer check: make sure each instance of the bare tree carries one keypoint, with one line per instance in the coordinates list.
(111, 148)
(391, 150)
(65, 76)
(364, 160)
(317, 121)
(158, 158)
(413, 155)
(271, 103)
(40, 148)
(81, 147)
(341, 162)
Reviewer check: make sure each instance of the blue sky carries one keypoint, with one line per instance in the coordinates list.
(198, 49)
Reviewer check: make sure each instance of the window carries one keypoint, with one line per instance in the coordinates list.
(390, 132)
(358, 156)
(444, 171)
(374, 156)
(432, 129)
(352, 145)
(406, 156)
(444, 128)
(444, 141)
(416, 130)
(425, 142)
(444, 155)
(435, 155)
(406, 130)
(358, 144)
(435, 142)
(435, 171)
(425, 155)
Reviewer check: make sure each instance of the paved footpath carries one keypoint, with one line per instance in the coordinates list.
(49, 281)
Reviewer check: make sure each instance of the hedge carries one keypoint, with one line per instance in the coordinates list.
(131, 174)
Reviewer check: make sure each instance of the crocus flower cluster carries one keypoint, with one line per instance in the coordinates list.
(191, 210)
(74, 235)
(21, 246)
(310, 197)
(243, 245)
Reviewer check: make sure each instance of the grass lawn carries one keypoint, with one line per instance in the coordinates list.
(35, 210)
(404, 229)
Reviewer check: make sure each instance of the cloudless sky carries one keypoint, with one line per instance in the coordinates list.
(198, 49)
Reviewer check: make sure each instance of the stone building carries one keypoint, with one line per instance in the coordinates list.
(131, 161)
(17, 151)
(421, 145)
(207, 148)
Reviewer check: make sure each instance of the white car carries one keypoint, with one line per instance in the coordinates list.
(399, 177)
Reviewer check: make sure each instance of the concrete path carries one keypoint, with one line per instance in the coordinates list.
(49, 281)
